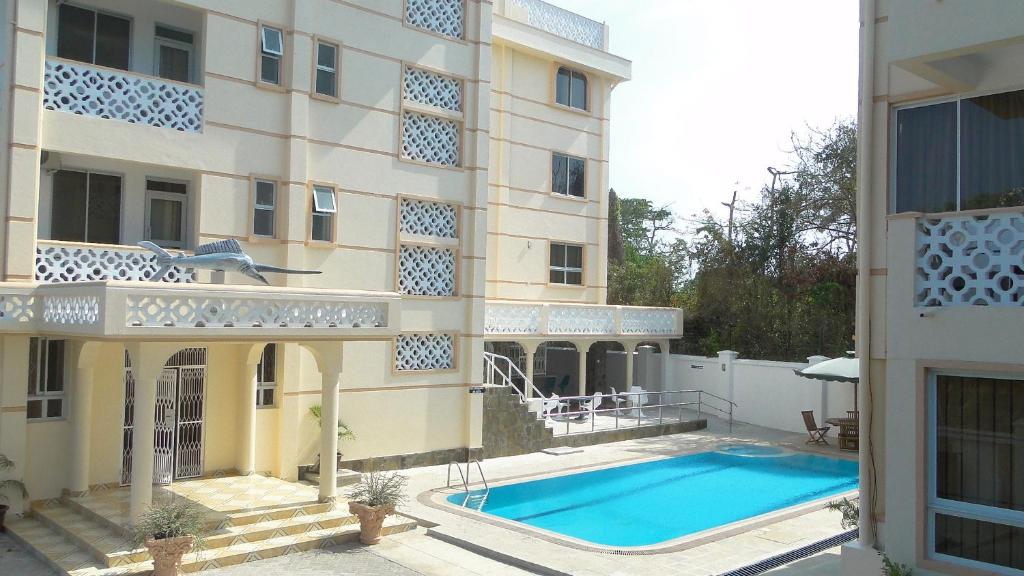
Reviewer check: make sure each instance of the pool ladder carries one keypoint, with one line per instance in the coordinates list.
(474, 500)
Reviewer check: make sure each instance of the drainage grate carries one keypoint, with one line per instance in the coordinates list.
(803, 552)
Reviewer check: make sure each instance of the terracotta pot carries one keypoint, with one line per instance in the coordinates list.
(371, 520)
(3, 512)
(167, 553)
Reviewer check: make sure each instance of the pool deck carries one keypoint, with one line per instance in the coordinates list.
(536, 551)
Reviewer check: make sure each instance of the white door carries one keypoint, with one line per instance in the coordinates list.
(163, 437)
(166, 213)
(188, 445)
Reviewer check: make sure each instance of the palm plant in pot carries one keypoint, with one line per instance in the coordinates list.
(169, 531)
(344, 433)
(373, 499)
(7, 486)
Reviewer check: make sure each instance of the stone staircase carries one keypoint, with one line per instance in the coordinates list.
(74, 540)
(509, 427)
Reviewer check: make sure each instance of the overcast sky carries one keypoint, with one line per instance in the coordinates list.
(717, 88)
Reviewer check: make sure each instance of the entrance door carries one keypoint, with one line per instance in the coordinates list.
(179, 417)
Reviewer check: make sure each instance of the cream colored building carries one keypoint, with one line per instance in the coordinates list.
(940, 322)
(443, 163)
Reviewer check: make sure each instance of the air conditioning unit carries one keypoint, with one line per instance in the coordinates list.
(49, 161)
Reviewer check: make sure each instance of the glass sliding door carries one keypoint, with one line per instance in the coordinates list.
(166, 213)
(86, 207)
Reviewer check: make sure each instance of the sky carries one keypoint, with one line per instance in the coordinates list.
(718, 86)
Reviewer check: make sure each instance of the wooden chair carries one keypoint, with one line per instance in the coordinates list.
(816, 434)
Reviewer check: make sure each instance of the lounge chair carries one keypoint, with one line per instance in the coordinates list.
(618, 399)
(816, 434)
(588, 406)
(551, 406)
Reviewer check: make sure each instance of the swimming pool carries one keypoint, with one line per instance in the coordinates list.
(652, 502)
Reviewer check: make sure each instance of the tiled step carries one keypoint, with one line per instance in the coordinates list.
(107, 545)
(60, 553)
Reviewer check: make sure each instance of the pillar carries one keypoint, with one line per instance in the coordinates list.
(630, 348)
(81, 417)
(726, 359)
(13, 410)
(583, 348)
(247, 412)
(147, 363)
(531, 350)
(667, 376)
(328, 358)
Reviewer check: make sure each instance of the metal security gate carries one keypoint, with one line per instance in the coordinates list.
(179, 416)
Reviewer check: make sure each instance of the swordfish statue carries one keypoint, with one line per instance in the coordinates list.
(223, 255)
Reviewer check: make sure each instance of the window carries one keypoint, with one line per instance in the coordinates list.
(166, 209)
(567, 175)
(571, 88)
(86, 207)
(263, 208)
(960, 155)
(976, 471)
(45, 379)
(566, 265)
(174, 54)
(271, 54)
(324, 209)
(266, 376)
(326, 80)
(94, 37)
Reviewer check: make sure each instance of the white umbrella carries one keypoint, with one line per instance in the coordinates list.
(835, 370)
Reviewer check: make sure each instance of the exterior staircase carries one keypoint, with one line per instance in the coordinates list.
(509, 426)
(76, 541)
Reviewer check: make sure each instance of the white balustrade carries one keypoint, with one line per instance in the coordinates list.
(17, 307)
(105, 93)
(70, 310)
(581, 320)
(970, 260)
(541, 318)
(201, 311)
(649, 321)
(60, 262)
(561, 22)
(501, 318)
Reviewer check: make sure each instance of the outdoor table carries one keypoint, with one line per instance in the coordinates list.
(849, 432)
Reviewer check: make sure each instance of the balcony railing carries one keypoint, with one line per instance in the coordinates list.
(73, 262)
(970, 260)
(558, 21)
(91, 90)
(542, 319)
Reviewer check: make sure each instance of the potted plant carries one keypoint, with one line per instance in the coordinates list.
(169, 531)
(373, 499)
(344, 433)
(8, 485)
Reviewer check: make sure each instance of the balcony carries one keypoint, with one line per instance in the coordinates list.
(557, 21)
(58, 261)
(91, 90)
(543, 319)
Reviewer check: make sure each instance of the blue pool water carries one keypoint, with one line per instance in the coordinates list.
(648, 503)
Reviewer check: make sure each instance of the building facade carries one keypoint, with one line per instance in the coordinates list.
(442, 163)
(940, 322)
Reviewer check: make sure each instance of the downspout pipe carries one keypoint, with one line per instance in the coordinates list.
(865, 141)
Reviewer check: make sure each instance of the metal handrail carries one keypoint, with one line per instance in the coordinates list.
(465, 478)
(491, 361)
(458, 467)
(637, 405)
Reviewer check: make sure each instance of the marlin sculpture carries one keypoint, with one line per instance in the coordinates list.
(220, 256)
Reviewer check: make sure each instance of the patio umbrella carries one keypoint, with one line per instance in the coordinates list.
(835, 370)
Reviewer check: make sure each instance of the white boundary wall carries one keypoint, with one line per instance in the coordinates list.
(766, 393)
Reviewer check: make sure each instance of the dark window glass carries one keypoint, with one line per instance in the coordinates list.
(54, 408)
(263, 222)
(574, 257)
(33, 366)
(998, 544)
(172, 34)
(576, 177)
(557, 277)
(578, 91)
(75, 33)
(574, 278)
(104, 226)
(270, 69)
(325, 83)
(113, 41)
(55, 366)
(325, 55)
(926, 158)
(268, 363)
(322, 225)
(559, 173)
(162, 186)
(991, 149)
(35, 409)
(174, 63)
(562, 81)
(68, 211)
(558, 255)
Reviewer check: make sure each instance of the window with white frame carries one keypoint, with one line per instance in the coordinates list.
(324, 209)
(266, 377)
(566, 265)
(571, 88)
(174, 53)
(326, 79)
(46, 375)
(271, 54)
(976, 471)
(93, 36)
(86, 207)
(264, 208)
(568, 175)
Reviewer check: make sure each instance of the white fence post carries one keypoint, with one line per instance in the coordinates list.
(726, 358)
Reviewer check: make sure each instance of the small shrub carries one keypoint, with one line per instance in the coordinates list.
(10, 484)
(178, 518)
(379, 489)
(344, 432)
(850, 511)
(890, 568)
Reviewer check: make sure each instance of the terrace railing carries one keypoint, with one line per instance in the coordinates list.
(502, 371)
(543, 319)
(75, 262)
(639, 407)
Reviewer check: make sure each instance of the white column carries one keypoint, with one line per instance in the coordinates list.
(328, 358)
(583, 348)
(146, 366)
(81, 417)
(247, 415)
(667, 375)
(531, 351)
(726, 358)
(630, 353)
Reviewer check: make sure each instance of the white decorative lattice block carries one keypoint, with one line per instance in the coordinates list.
(512, 318)
(426, 271)
(653, 321)
(581, 320)
(430, 139)
(432, 89)
(441, 16)
(425, 352)
(183, 311)
(58, 263)
(81, 89)
(970, 261)
(71, 309)
(561, 22)
(16, 308)
(428, 218)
